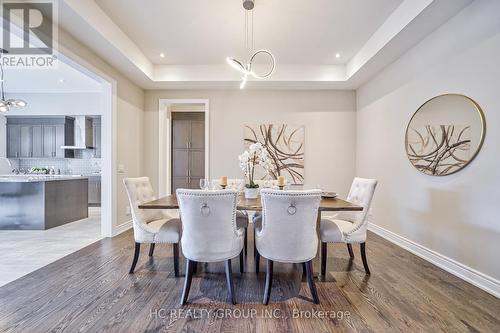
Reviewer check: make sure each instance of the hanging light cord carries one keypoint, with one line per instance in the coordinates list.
(249, 30)
(252, 32)
(246, 68)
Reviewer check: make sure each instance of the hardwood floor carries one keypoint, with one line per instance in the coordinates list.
(91, 291)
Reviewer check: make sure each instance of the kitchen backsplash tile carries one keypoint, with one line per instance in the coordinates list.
(71, 166)
(14, 163)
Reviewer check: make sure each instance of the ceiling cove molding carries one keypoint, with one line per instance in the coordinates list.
(404, 14)
(222, 72)
(410, 22)
(101, 24)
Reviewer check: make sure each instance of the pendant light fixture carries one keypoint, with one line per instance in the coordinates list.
(5, 105)
(246, 69)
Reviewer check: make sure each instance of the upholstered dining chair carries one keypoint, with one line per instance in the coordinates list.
(349, 227)
(209, 232)
(151, 226)
(288, 232)
(241, 216)
(257, 217)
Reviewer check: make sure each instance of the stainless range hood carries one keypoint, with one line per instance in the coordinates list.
(83, 134)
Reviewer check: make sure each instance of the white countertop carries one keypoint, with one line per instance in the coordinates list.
(37, 178)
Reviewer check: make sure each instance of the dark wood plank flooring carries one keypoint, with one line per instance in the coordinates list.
(91, 291)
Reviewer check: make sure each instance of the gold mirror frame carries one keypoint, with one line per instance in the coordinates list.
(483, 133)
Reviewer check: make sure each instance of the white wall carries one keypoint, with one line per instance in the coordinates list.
(329, 118)
(456, 216)
(58, 104)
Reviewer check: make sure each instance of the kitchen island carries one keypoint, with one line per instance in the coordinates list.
(39, 202)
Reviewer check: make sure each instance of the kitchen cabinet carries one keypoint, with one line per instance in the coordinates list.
(39, 137)
(53, 139)
(62, 139)
(94, 191)
(188, 149)
(96, 131)
(24, 141)
(13, 141)
(49, 141)
(42, 203)
(31, 138)
(36, 141)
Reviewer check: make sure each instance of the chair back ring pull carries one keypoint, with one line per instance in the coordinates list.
(205, 209)
(292, 209)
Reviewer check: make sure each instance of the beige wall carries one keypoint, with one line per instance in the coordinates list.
(456, 216)
(129, 122)
(329, 118)
(129, 148)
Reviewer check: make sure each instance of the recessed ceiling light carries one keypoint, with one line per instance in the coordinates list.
(337, 55)
(61, 80)
(162, 55)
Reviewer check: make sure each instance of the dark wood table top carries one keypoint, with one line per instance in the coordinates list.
(326, 204)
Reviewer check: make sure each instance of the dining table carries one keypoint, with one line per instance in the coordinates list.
(327, 204)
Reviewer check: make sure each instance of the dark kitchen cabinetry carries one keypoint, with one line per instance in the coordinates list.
(53, 139)
(188, 149)
(94, 191)
(13, 141)
(24, 140)
(39, 137)
(96, 131)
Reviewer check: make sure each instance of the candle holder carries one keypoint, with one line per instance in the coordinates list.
(223, 187)
(281, 187)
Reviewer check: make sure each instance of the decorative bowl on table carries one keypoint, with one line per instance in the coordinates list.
(329, 195)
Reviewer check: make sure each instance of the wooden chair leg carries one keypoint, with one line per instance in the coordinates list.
(349, 248)
(324, 255)
(310, 281)
(257, 262)
(151, 249)
(254, 247)
(187, 281)
(246, 240)
(241, 262)
(176, 259)
(363, 257)
(136, 257)
(229, 279)
(269, 282)
(303, 269)
(195, 267)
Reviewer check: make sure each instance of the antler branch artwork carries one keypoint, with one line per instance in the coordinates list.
(439, 149)
(285, 144)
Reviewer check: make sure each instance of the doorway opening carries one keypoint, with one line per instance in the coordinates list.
(61, 145)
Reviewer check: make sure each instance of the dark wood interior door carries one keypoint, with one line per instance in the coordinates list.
(188, 149)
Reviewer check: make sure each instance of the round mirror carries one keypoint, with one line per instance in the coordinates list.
(445, 134)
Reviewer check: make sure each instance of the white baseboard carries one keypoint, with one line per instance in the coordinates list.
(480, 280)
(122, 228)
